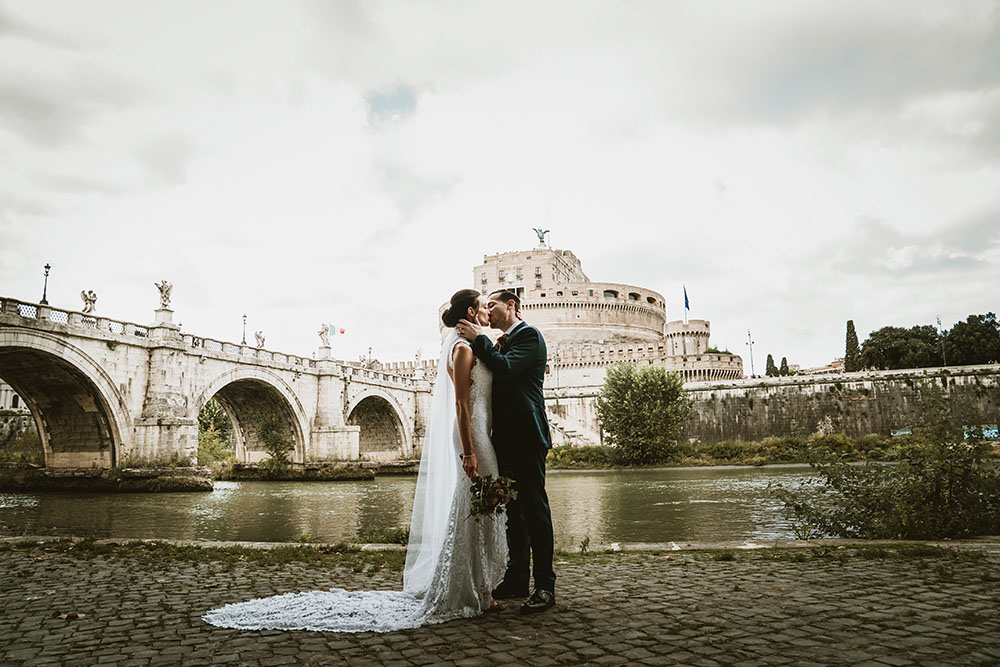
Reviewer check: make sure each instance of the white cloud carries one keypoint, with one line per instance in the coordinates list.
(313, 161)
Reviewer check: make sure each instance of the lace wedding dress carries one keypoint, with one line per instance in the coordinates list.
(452, 560)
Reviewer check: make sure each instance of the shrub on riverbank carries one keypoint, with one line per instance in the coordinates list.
(26, 448)
(784, 449)
(214, 451)
(642, 412)
(942, 487)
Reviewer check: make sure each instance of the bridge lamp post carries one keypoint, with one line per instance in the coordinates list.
(750, 345)
(244, 341)
(45, 289)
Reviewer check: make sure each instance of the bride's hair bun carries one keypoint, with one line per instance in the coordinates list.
(461, 301)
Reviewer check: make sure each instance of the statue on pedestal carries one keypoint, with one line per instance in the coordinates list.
(324, 334)
(89, 300)
(259, 335)
(541, 236)
(164, 288)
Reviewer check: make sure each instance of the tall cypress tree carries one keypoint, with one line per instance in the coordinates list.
(772, 370)
(784, 367)
(852, 353)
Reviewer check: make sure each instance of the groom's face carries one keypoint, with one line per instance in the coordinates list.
(502, 314)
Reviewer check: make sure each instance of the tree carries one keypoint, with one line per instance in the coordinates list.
(784, 367)
(974, 341)
(896, 347)
(276, 444)
(643, 412)
(852, 352)
(213, 416)
(771, 369)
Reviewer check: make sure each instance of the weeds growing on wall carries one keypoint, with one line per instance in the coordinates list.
(943, 485)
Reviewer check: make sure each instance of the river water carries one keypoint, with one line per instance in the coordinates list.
(681, 505)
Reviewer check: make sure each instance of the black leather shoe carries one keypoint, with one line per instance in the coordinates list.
(506, 591)
(539, 601)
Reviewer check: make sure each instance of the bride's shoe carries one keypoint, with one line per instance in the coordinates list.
(496, 605)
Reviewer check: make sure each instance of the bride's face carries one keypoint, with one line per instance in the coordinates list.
(481, 314)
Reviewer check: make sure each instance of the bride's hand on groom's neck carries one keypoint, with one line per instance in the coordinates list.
(468, 330)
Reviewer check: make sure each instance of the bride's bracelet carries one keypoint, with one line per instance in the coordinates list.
(466, 456)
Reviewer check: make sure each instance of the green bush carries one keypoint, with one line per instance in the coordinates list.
(213, 449)
(276, 444)
(26, 448)
(591, 456)
(942, 486)
(642, 411)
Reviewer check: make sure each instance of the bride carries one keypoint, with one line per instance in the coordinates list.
(452, 560)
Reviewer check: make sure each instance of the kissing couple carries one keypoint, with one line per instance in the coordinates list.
(487, 417)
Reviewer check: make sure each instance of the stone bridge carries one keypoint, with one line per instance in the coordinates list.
(104, 392)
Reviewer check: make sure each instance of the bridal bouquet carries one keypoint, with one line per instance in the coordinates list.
(490, 495)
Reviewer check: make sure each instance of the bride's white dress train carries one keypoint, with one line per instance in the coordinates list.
(452, 560)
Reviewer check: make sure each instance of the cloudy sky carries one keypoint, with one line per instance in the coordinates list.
(794, 164)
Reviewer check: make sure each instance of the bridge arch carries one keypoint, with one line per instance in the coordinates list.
(81, 416)
(383, 422)
(249, 395)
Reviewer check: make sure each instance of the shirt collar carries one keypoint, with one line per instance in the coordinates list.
(512, 327)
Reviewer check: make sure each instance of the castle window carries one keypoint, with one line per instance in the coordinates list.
(558, 293)
(632, 296)
(591, 292)
(575, 293)
(538, 272)
(502, 276)
(538, 283)
(542, 294)
(483, 279)
(650, 299)
(520, 274)
(610, 294)
(15, 402)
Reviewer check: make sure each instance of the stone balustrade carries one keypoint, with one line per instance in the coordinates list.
(71, 318)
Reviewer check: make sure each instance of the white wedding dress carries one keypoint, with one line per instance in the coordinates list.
(452, 560)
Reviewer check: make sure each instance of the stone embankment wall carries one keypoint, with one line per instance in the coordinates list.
(856, 403)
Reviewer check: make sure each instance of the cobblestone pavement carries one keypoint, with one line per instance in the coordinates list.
(868, 606)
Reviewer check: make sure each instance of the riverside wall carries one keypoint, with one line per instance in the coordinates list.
(855, 403)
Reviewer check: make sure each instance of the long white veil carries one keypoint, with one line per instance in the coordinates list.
(440, 471)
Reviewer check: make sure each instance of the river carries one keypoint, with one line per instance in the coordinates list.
(680, 505)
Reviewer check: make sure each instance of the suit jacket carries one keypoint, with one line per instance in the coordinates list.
(518, 367)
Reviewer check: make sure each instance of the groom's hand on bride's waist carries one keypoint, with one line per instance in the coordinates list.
(468, 330)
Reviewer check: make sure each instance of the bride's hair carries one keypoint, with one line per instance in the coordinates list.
(461, 301)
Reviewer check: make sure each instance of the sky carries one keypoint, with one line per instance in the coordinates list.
(793, 164)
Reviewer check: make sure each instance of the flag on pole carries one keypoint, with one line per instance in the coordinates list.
(687, 304)
(334, 330)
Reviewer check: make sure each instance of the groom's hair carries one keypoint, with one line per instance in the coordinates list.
(505, 296)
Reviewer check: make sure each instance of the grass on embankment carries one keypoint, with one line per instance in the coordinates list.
(784, 449)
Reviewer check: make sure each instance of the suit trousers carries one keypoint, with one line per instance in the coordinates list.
(529, 520)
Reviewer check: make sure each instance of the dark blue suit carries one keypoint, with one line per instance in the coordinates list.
(521, 439)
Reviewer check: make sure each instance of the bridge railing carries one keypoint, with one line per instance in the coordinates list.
(73, 318)
(241, 350)
(379, 375)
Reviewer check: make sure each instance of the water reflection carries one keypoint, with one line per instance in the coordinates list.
(704, 505)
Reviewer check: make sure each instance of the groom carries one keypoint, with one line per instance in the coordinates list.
(521, 440)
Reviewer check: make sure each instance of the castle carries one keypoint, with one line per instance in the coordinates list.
(590, 325)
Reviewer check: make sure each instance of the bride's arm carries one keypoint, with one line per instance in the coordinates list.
(462, 364)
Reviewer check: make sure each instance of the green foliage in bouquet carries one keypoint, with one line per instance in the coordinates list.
(490, 495)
